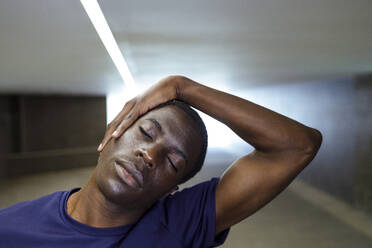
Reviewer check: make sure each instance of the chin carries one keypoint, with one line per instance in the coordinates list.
(120, 194)
(112, 189)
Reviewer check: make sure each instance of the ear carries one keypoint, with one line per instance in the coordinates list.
(174, 189)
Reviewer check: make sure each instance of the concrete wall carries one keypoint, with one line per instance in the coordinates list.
(8, 124)
(363, 143)
(8, 133)
(57, 122)
(44, 133)
(342, 111)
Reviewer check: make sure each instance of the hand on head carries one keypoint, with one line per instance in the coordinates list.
(163, 91)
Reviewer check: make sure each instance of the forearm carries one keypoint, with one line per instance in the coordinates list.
(264, 129)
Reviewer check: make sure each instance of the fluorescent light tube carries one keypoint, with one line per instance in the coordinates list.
(99, 22)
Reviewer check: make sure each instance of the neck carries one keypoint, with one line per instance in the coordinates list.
(89, 206)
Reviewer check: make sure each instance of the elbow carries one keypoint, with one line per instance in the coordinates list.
(313, 143)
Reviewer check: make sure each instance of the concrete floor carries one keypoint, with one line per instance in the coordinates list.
(299, 217)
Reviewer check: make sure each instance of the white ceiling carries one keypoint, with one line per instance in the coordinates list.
(51, 46)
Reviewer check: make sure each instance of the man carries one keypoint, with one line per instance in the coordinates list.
(154, 144)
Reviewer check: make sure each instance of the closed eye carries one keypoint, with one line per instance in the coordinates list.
(174, 167)
(145, 133)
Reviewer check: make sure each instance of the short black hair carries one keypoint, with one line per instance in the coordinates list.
(202, 131)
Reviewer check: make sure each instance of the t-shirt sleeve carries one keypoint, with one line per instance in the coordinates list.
(191, 215)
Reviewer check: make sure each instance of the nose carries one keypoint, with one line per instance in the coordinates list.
(147, 158)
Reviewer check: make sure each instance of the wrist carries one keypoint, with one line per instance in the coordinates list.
(181, 84)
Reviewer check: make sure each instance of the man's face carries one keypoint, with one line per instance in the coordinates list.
(157, 151)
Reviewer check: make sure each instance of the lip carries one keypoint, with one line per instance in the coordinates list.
(129, 173)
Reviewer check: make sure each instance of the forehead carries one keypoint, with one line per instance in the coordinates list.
(172, 114)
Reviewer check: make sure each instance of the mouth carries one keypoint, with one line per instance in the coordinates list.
(129, 174)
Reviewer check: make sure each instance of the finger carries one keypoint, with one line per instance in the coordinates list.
(125, 115)
(125, 124)
(114, 124)
(108, 134)
(104, 141)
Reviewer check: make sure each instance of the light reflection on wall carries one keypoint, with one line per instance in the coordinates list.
(219, 135)
(116, 100)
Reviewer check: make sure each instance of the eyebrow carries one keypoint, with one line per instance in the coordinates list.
(156, 123)
(176, 150)
(179, 152)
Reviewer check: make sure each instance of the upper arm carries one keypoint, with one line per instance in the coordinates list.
(253, 181)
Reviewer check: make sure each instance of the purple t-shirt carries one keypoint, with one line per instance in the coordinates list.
(184, 219)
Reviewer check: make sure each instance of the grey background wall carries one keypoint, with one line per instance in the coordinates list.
(362, 184)
(43, 133)
(341, 110)
(7, 134)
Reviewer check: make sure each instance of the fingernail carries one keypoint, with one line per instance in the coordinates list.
(99, 147)
(115, 133)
